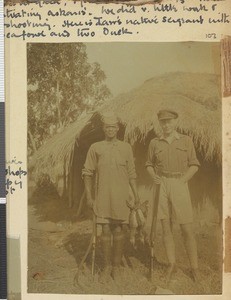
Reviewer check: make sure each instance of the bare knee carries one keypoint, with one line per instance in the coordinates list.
(117, 229)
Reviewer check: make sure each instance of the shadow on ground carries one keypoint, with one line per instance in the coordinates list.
(49, 206)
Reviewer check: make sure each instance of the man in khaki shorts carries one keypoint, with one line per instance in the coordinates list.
(111, 164)
(171, 163)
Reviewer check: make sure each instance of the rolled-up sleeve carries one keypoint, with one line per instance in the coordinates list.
(90, 163)
(131, 164)
(149, 162)
(192, 158)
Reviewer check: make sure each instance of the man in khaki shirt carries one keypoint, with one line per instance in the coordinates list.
(171, 163)
(111, 164)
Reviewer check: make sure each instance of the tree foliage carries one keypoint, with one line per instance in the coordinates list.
(61, 85)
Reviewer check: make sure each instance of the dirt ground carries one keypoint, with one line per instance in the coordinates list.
(57, 243)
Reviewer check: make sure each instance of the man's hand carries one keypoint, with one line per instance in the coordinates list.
(182, 180)
(189, 174)
(132, 183)
(156, 179)
(136, 204)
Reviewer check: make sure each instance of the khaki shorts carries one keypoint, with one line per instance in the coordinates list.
(174, 201)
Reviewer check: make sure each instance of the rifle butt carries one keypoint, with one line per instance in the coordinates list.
(151, 262)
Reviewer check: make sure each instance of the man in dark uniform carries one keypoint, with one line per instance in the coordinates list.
(171, 163)
(112, 165)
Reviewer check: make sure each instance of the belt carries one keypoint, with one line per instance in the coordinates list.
(169, 174)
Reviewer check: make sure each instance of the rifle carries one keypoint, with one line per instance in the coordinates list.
(156, 194)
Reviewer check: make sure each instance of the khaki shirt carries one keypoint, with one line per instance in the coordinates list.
(175, 157)
(113, 165)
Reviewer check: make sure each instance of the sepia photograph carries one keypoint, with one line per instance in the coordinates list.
(124, 153)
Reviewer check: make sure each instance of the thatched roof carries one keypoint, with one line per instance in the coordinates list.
(56, 153)
(194, 96)
(199, 87)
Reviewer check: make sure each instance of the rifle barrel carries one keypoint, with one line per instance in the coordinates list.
(156, 192)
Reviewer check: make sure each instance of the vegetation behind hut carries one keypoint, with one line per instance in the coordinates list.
(61, 85)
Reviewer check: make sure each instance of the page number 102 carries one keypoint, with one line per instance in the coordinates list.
(211, 36)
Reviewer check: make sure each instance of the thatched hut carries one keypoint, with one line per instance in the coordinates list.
(196, 97)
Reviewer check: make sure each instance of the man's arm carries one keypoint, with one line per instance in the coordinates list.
(189, 174)
(132, 176)
(133, 185)
(153, 175)
(192, 162)
(88, 189)
(88, 173)
(149, 164)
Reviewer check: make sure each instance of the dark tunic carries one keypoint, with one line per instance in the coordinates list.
(113, 165)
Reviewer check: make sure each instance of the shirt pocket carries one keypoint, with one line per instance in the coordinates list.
(121, 159)
(159, 155)
(182, 154)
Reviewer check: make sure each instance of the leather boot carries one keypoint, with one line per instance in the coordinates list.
(105, 275)
(195, 275)
(118, 248)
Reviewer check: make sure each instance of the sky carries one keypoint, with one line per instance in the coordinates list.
(128, 65)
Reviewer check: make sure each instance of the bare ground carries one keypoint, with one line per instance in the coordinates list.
(57, 243)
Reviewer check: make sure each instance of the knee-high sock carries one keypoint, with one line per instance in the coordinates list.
(170, 247)
(118, 248)
(191, 248)
(106, 249)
